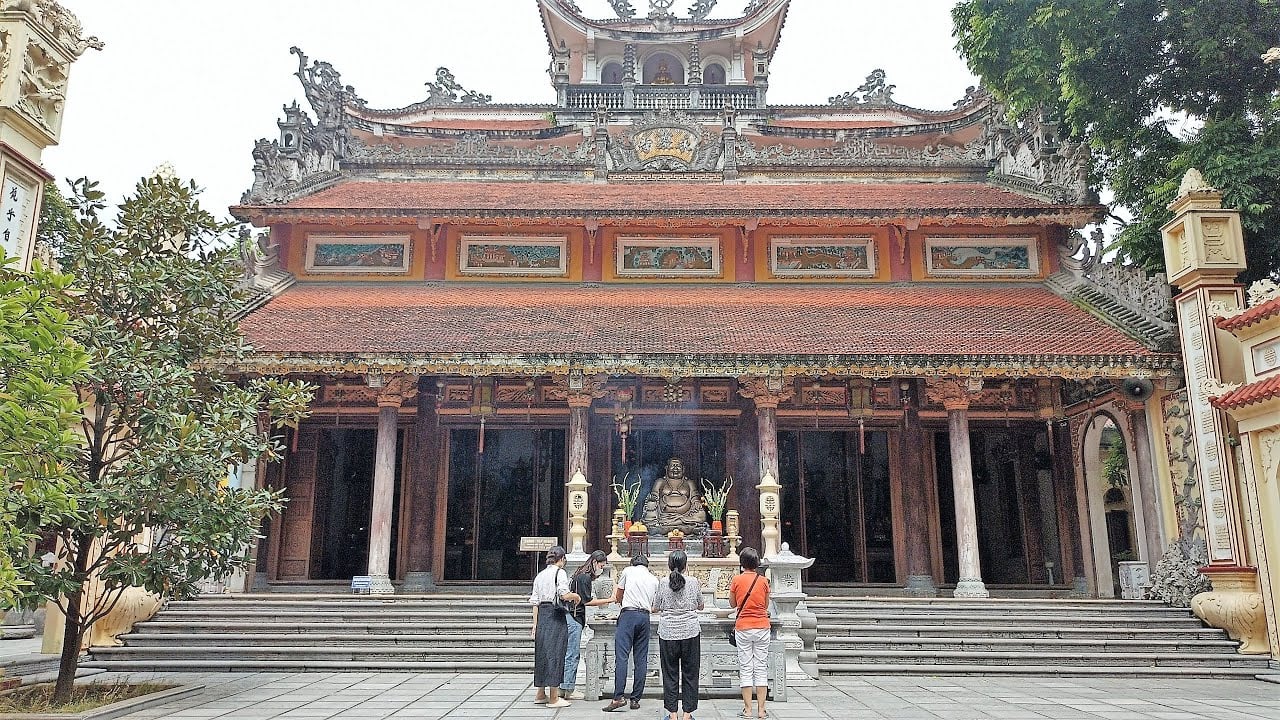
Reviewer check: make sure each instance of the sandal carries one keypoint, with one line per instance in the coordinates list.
(540, 701)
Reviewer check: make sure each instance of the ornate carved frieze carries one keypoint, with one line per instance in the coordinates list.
(1028, 155)
(58, 21)
(952, 393)
(471, 149)
(666, 141)
(446, 91)
(42, 86)
(766, 392)
(394, 391)
(1138, 302)
(858, 151)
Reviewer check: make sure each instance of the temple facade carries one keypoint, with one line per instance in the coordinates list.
(887, 313)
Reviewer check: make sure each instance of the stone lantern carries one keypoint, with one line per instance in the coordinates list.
(787, 593)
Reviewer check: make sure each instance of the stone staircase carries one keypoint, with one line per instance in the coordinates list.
(314, 632)
(459, 632)
(1021, 637)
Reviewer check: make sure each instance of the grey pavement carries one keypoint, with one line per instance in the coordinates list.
(378, 696)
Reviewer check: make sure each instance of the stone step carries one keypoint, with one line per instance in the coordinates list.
(278, 639)
(1007, 658)
(893, 617)
(1036, 670)
(840, 630)
(470, 665)
(352, 654)
(351, 615)
(231, 626)
(829, 645)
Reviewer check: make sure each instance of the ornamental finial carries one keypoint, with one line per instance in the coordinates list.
(1192, 183)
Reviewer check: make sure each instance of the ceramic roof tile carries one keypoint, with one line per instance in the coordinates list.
(922, 319)
(1253, 315)
(1254, 392)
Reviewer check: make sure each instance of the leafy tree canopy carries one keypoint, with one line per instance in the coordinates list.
(1156, 87)
(156, 295)
(39, 366)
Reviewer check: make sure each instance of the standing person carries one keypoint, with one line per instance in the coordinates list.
(636, 590)
(679, 642)
(750, 591)
(580, 585)
(550, 631)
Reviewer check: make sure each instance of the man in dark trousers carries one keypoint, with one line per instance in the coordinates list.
(635, 592)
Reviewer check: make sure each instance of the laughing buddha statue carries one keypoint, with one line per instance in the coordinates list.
(675, 503)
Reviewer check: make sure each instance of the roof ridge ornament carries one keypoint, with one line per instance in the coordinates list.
(447, 91)
(623, 9)
(323, 87)
(661, 10)
(1193, 183)
(701, 9)
(875, 91)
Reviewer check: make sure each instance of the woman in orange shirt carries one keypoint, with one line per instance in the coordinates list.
(750, 590)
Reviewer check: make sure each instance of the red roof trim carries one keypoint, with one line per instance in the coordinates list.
(1252, 316)
(1254, 392)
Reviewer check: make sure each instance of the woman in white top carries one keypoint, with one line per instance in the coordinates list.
(679, 641)
(550, 632)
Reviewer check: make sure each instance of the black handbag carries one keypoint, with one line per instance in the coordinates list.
(733, 633)
(560, 603)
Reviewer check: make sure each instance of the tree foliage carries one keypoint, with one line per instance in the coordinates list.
(1156, 87)
(39, 366)
(157, 291)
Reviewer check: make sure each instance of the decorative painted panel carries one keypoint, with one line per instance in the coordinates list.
(513, 255)
(669, 257)
(810, 257)
(361, 254)
(981, 257)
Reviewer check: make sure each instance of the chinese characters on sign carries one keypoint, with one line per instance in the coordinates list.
(13, 218)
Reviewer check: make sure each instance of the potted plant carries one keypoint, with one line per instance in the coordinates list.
(627, 495)
(716, 499)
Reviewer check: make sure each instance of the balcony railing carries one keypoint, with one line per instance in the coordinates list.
(654, 97)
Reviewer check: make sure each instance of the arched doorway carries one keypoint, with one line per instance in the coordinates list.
(1110, 473)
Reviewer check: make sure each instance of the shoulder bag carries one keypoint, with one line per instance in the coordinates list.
(732, 632)
(558, 602)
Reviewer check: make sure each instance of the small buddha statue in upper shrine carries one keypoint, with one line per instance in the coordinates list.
(663, 76)
(675, 503)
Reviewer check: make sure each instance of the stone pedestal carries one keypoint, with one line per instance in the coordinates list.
(784, 575)
(1235, 605)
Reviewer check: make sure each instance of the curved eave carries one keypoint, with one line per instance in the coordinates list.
(713, 365)
(555, 16)
(1073, 216)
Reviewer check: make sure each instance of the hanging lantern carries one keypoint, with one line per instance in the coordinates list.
(482, 404)
(623, 418)
(860, 408)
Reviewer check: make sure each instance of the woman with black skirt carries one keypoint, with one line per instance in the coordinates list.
(550, 632)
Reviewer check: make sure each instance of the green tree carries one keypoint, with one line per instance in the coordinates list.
(1156, 87)
(157, 292)
(39, 366)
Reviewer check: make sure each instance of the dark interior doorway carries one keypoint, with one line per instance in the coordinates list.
(702, 451)
(837, 503)
(513, 489)
(344, 503)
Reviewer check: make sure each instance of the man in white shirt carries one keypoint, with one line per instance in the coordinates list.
(635, 591)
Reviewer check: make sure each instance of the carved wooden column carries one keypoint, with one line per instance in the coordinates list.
(391, 395)
(916, 495)
(954, 396)
(767, 393)
(579, 409)
(576, 497)
(421, 490)
(1065, 496)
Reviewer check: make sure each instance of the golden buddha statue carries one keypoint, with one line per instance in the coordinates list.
(675, 503)
(663, 76)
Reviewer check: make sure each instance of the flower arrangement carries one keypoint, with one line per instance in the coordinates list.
(716, 498)
(627, 495)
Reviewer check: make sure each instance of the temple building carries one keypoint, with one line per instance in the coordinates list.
(889, 312)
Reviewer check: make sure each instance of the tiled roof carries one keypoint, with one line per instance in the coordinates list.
(1254, 392)
(758, 199)
(1253, 315)
(986, 320)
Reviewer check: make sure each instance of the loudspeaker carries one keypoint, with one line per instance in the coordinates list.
(1137, 388)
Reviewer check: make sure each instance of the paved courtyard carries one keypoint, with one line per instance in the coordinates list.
(375, 696)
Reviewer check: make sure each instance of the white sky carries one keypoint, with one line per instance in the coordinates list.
(194, 83)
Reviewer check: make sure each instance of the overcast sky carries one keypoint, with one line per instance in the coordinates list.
(194, 83)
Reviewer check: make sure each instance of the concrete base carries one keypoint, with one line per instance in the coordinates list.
(418, 582)
(970, 588)
(381, 585)
(920, 586)
(1079, 587)
(259, 583)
